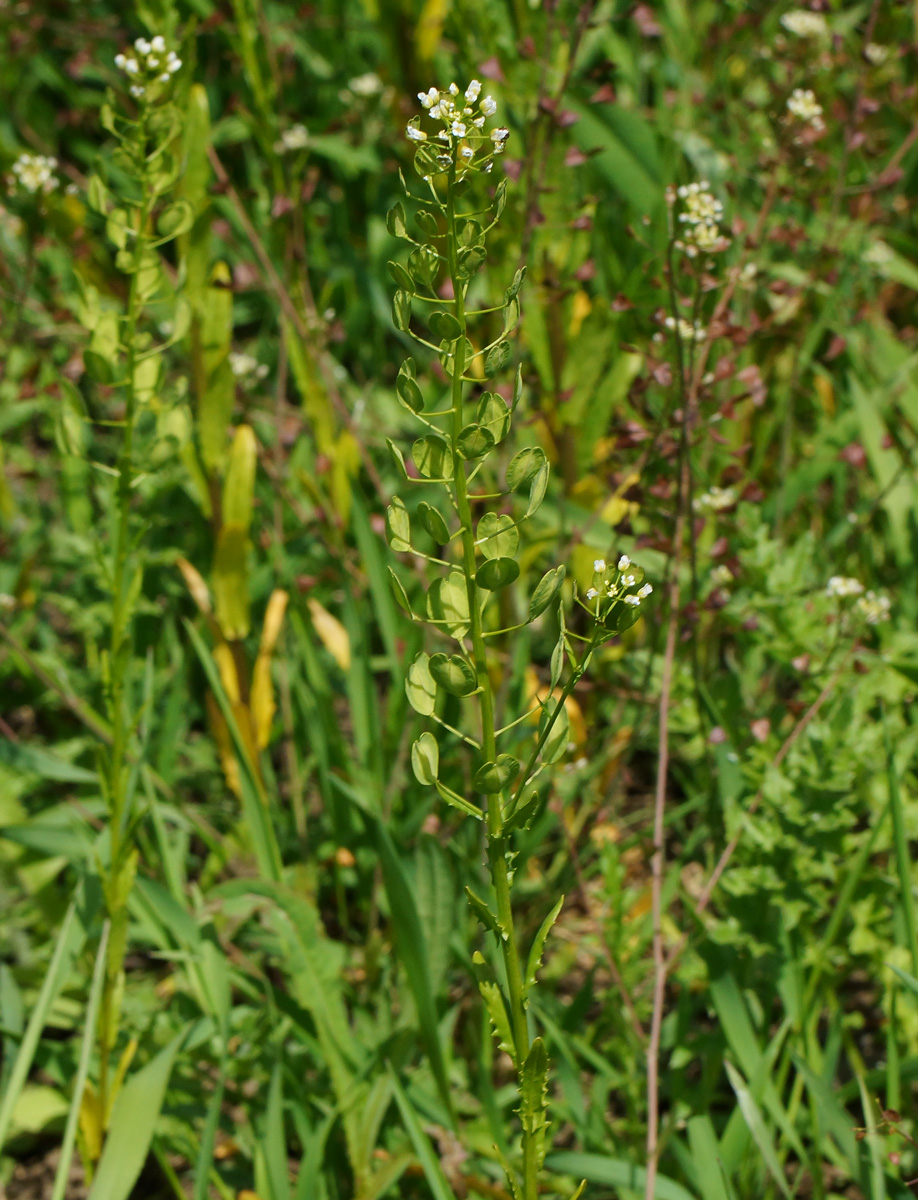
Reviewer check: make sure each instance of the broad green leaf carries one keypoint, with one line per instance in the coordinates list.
(425, 759)
(433, 457)
(546, 590)
(444, 325)
(420, 686)
(494, 415)
(448, 601)
(497, 573)
(401, 310)
(493, 777)
(433, 522)
(474, 441)
(453, 674)
(398, 526)
(497, 536)
(497, 358)
(525, 466)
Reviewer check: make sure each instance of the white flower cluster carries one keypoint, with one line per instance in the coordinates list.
(803, 105)
(686, 330)
(246, 367)
(842, 586)
(366, 85)
(463, 132)
(715, 499)
(805, 24)
(876, 54)
(34, 173)
(700, 215)
(874, 608)
(149, 62)
(294, 138)
(614, 583)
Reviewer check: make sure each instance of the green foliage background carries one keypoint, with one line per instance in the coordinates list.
(312, 1020)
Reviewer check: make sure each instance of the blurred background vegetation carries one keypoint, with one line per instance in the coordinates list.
(334, 1043)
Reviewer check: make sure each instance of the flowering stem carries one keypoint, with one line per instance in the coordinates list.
(497, 841)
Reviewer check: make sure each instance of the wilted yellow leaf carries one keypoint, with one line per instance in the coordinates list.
(91, 1125)
(226, 665)
(581, 307)
(331, 633)
(194, 581)
(262, 705)
(274, 618)
(221, 736)
(231, 585)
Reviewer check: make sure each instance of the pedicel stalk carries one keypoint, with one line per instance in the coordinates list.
(475, 556)
(123, 358)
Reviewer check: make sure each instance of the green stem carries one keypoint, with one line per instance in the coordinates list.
(497, 842)
(118, 882)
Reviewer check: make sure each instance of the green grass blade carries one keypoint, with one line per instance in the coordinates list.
(62, 1176)
(69, 943)
(706, 1158)
(430, 1163)
(903, 858)
(614, 1172)
(757, 1127)
(130, 1133)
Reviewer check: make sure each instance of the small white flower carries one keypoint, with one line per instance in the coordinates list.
(473, 91)
(453, 90)
(628, 580)
(489, 106)
(159, 44)
(295, 138)
(467, 152)
(805, 24)
(634, 601)
(152, 62)
(716, 499)
(120, 60)
(876, 54)
(430, 98)
(645, 591)
(500, 134)
(458, 129)
(130, 66)
(841, 586)
(173, 65)
(803, 104)
(415, 134)
(367, 85)
(137, 91)
(874, 608)
(599, 565)
(479, 122)
(624, 563)
(592, 594)
(142, 46)
(164, 78)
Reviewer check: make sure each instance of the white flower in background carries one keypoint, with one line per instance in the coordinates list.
(803, 104)
(874, 608)
(699, 217)
(294, 138)
(687, 331)
(34, 173)
(715, 499)
(721, 575)
(878, 254)
(246, 368)
(368, 84)
(841, 586)
(876, 54)
(624, 563)
(805, 24)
